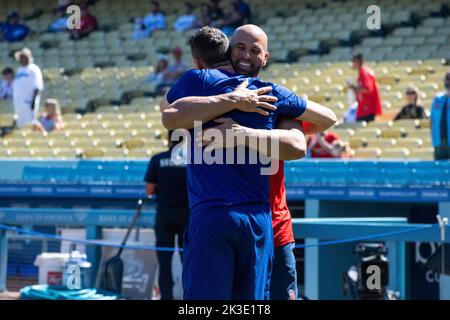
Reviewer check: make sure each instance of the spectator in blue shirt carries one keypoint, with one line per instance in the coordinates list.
(440, 118)
(155, 20)
(157, 77)
(60, 24)
(12, 30)
(244, 10)
(6, 84)
(186, 20)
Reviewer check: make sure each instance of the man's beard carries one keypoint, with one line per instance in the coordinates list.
(250, 71)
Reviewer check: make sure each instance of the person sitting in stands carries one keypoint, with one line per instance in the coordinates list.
(326, 145)
(60, 24)
(157, 77)
(187, 20)
(6, 84)
(155, 20)
(12, 30)
(51, 119)
(233, 19)
(413, 109)
(88, 23)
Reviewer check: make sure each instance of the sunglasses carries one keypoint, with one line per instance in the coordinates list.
(411, 93)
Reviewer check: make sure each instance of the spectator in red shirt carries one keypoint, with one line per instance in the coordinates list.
(326, 145)
(88, 23)
(366, 91)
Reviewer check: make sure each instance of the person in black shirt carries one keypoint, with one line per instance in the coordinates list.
(166, 178)
(413, 110)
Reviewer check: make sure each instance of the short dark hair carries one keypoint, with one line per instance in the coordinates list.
(211, 46)
(358, 56)
(7, 71)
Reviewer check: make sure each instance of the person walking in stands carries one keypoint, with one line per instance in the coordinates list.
(366, 91)
(166, 178)
(440, 118)
(27, 85)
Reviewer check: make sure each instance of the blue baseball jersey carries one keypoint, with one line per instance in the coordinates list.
(211, 185)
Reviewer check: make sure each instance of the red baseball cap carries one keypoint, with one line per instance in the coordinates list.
(177, 50)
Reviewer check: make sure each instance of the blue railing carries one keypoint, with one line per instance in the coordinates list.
(321, 179)
(298, 173)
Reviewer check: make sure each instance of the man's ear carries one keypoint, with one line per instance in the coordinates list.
(266, 58)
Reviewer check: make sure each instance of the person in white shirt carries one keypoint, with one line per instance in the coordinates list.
(27, 85)
(155, 20)
(186, 21)
(6, 84)
(350, 114)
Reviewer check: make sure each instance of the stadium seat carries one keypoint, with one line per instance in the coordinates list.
(92, 153)
(409, 143)
(381, 143)
(422, 154)
(394, 132)
(357, 142)
(395, 153)
(300, 31)
(368, 133)
(419, 133)
(367, 153)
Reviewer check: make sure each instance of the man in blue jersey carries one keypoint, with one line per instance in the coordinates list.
(228, 247)
(248, 55)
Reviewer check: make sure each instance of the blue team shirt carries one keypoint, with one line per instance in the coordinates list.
(212, 185)
(15, 32)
